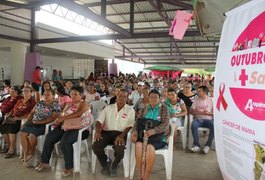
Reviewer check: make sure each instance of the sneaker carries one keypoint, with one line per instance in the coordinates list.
(114, 172)
(195, 149)
(206, 149)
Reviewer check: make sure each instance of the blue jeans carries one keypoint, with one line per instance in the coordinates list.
(196, 123)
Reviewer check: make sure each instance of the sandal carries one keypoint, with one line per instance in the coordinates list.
(67, 172)
(28, 162)
(10, 155)
(42, 167)
(29, 158)
(4, 151)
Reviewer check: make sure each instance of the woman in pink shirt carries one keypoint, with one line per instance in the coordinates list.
(63, 97)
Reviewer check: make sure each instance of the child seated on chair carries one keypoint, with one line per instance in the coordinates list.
(177, 109)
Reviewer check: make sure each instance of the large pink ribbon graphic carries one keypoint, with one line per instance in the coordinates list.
(221, 98)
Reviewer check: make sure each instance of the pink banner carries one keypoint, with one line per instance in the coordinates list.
(172, 74)
(180, 24)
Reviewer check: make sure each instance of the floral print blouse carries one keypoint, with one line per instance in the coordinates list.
(44, 111)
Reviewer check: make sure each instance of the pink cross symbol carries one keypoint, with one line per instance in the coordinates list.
(243, 77)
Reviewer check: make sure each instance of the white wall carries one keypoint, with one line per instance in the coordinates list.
(5, 64)
(65, 64)
(70, 66)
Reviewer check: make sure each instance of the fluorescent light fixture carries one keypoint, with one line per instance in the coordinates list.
(78, 2)
(17, 1)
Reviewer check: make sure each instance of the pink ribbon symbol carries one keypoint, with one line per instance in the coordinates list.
(221, 98)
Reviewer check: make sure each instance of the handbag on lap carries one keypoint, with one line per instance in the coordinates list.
(70, 124)
(9, 120)
(78, 123)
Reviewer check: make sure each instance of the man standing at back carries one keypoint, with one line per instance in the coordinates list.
(202, 110)
(112, 127)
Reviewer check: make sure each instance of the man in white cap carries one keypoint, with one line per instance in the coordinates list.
(136, 94)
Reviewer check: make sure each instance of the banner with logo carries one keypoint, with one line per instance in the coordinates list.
(239, 114)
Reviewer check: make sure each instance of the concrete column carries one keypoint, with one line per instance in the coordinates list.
(32, 60)
(113, 68)
(17, 61)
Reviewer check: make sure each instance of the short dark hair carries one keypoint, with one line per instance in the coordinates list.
(118, 86)
(27, 87)
(171, 90)
(204, 89)
(154, 91)
(61, 90)
(7, 82)
(125, 90)
(18, 89)
(51, 90)
(79, 89)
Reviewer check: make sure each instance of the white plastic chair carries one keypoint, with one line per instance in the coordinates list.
(126, 158)
(97, 107)
(77, 149)
(183, 130)
(166, 152)
(41, 139)
(201, 129)
(2, 141)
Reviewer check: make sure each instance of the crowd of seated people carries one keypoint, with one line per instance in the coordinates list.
(130, 99)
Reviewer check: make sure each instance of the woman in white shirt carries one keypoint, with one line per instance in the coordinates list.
(91, 95)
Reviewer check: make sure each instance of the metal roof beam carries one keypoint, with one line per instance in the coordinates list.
(167, 47)
(111, 2)
(103, 8)
(162, 34)
(130, 51)
(142, 21)
(180, 63)
(132, 17)
(168, 52)
(172, 2)
(110, 36)
(157, 7)
(179, 4)
(68, 4)
(32, 46)
(79, 38)
(186, 60)
(181, 41)
(14, 4)
(168, 57)
(140, 12)
(14, 38)
(28, 5)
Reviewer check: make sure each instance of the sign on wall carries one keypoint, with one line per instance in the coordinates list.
(240, 90)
